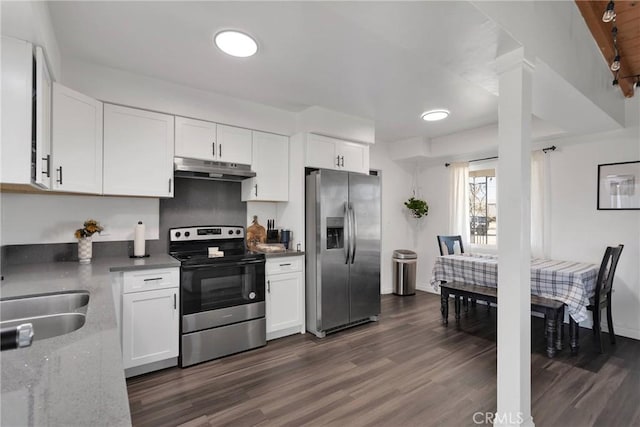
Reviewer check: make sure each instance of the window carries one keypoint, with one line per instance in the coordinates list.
(482, 206)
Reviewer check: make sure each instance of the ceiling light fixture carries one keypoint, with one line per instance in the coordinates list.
(434, 115)
(609, 13)
(235, 43)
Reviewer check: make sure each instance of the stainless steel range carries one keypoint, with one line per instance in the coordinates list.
(221, 292)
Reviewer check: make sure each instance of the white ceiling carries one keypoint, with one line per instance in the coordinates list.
(385, 61)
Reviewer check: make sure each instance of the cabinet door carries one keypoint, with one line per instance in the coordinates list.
(284, 296)
(195, 139)
(43, 121)
(17, 74)
(138, 152)
(321, 152)
(271, 165)
(234, 144)
(76, 132)
(149, 326)
(353, 157)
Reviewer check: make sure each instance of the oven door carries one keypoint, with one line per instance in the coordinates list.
(220, 285)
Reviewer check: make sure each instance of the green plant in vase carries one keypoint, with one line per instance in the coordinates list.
(419, 208)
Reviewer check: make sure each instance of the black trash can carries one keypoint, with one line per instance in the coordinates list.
(404, 272)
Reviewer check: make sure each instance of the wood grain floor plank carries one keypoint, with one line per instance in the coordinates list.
(405, 370)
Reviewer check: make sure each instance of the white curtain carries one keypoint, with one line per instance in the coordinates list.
(459, 200)
(539, 170)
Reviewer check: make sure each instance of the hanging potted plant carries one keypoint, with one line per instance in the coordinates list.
(418, 207)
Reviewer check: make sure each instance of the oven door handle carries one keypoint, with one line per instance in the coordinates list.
(222, 264)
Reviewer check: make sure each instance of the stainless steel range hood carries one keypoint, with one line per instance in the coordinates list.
(205, 169)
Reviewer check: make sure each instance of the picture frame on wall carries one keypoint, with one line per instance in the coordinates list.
(619, 186)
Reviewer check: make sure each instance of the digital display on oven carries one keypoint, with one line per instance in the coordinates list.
(209, 231)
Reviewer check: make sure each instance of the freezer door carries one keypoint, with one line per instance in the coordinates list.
(333, 280)
(364, 200)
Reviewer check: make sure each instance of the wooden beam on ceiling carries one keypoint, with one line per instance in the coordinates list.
(592, 13)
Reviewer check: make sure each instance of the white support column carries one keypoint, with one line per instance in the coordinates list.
(514, 242)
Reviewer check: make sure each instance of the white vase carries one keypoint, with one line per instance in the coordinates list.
(85, 250)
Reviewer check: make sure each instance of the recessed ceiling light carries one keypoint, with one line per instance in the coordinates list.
(434, 115)
(235, 43)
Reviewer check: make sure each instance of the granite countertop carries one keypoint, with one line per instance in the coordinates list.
(75, 379)
(289, 252)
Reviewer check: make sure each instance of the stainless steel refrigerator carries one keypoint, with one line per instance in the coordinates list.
(342, 250)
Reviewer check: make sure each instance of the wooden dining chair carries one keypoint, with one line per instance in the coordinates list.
(448, 242)
(602, 297)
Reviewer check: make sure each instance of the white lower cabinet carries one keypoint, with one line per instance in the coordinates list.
(150, 319)
(285, 296)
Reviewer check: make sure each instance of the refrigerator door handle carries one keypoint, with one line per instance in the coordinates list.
(354, 233)
(347, 233)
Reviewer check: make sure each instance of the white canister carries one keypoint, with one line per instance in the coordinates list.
(138, 240)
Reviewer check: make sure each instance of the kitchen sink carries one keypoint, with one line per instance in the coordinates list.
(50, 314)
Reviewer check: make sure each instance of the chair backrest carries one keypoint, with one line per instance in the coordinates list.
(606, 273)
(448, 243)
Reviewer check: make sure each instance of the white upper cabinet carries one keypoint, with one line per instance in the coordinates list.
(354, 157)
(271, 165)
(321, 152)
(196, 139)
(44, 89)
(76, 142)
(234, 144)
(138, 152)
(199, 139)
(26, 119)
(331, 153)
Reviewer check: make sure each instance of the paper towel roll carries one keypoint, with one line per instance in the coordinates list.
(138, 240)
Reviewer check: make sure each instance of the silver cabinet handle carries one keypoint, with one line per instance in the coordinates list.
(48, 160)
(354, 233)
(151, 280)
(169, 185)
(338, 161)
(269, 286)
(220, 150)
(59, 170)
(342, 161)
(346, 243)
(213, 144)
(175, 304)
(256, 187)
(284, 265)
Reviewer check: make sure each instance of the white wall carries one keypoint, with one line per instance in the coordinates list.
(578, 230)
(31, 21)
(122, 87)
(398, 230)
(48, 218)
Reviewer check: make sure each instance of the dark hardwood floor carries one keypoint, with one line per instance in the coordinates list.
(405, 370)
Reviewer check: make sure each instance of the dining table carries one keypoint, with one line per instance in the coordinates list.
(570, 282)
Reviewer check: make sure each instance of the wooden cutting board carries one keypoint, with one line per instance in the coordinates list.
(255, 234)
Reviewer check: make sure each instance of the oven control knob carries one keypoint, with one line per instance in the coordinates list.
(178, 234)
(230, 231)
(237, 231)
(252, 295)
(187, 234)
